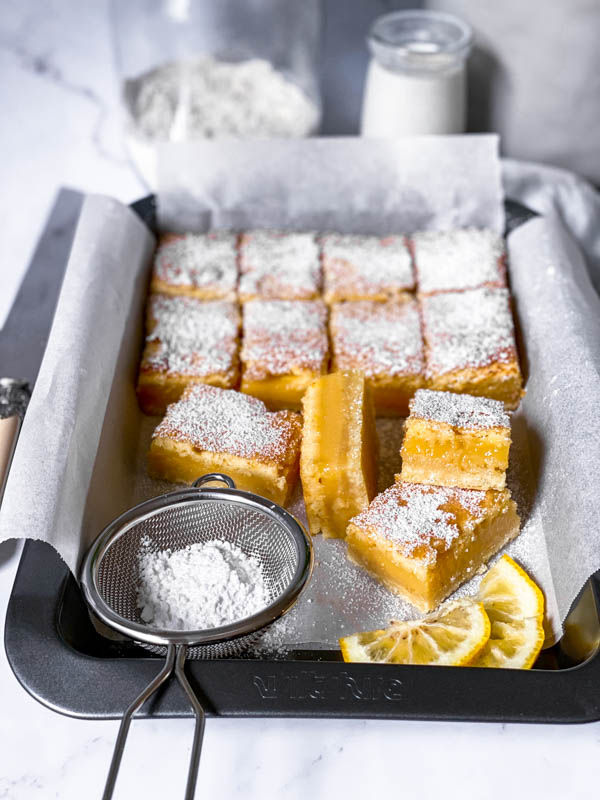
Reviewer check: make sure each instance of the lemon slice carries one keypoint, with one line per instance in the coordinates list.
(515, 606)
(452, 636)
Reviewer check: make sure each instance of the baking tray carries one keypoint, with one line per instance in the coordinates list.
(60, 659)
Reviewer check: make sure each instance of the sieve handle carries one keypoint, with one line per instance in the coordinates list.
(214, 476)
(139, 701)
(190, 788)
(175, 661)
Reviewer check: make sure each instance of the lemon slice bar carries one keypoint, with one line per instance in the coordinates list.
(338, 458)
(201, 265)
(366, 267)
(285, 347)
(468, 258)
(187, 341)
(276, 265)
(383, 342)
(470, 344)
(456, 440)
(423, 542)
(216, 430)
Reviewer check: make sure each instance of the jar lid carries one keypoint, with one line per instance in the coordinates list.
(419, 40)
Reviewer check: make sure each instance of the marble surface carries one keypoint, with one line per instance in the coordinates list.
(60, 128)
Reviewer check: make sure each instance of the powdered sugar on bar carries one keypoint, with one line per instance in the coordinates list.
(459, 410)
(458, 259)
(192, 337)
(467, 329)
(198, 261)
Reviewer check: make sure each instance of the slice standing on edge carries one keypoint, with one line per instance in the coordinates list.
(452, 636)
(515, 606)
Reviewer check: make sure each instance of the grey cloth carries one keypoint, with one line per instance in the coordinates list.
(549, 189)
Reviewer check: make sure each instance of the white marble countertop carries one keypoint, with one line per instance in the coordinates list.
(60, 128)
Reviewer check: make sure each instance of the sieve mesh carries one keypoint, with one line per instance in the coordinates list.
(254, 530)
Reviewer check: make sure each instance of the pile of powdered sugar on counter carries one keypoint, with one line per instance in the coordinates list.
(208, 98)
(201, 586)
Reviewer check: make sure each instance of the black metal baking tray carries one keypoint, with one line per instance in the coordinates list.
(60, 659)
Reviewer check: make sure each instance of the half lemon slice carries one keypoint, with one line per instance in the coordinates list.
(452, 636)
(515, 606)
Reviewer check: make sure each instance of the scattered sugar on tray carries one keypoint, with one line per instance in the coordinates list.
(194, 337)
(467, 329)
(204, 585)
(377, 338)
(412, 516)
(282, 336)
(225, 421)
(460, 259)
(274, 263)
(366, 263)
(199, 260)
(459, 410)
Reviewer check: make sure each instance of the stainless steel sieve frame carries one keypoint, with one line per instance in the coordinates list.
(176, 643)
(131, 517)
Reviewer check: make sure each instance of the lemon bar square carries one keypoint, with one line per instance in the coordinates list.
(383, 342)
(423, 542)
(456, 440)
(201, 265)
(366, 267)
(285, 347)
(187, 341)
(470, 344)
(468, 258)
(218, 430)
(275, 265)
(338, 461)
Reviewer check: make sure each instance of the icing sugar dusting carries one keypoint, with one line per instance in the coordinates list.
(377, 338)
(281, 337)
(198, 260)
(365, 265)
(278, 265)
(467, 329)
(225, 421)
(191, 337)
(461, 259)
(414, 518)
(204, 585)
(459, 410)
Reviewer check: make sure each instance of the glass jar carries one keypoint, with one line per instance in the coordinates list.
(416, 81)
(192, 69)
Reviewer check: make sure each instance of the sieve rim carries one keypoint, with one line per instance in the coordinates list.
(88, 573)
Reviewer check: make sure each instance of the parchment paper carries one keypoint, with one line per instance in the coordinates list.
(81, 455)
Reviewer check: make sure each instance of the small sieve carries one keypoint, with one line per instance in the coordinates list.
(109, 577)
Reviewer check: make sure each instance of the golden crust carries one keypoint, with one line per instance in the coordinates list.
(423, 542)
(212, 430)
(188, 341)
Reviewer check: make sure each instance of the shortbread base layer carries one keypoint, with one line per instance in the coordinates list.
(499, 381)
(338, 464)
(426, 585)
(442, 455)
(199, 292)
(180, 462)
(387, 295)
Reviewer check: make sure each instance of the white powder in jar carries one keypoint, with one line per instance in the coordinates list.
(206, 98)
(201, 586)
